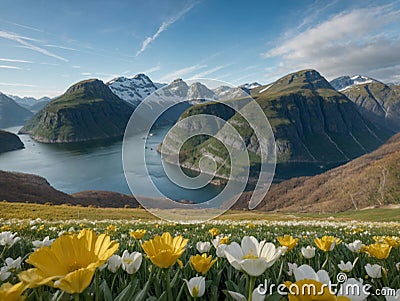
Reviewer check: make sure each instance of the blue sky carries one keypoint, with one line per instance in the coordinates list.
(45, 46)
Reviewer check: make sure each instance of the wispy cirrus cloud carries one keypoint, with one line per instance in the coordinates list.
(152, 69)
(181, 72)
(22, 25)
(210, 71)
(26, 42)
(346, 43)
(14, 61)
(61, 47)
(10, 67)
(16, 85)
(165, 25)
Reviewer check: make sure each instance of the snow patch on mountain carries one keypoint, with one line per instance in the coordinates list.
(344, 82)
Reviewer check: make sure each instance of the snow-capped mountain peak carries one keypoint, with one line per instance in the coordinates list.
(132, 90)
(343, 82)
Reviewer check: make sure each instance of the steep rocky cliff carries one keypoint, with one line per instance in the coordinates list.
(86, 111)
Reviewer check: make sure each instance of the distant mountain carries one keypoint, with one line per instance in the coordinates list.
(372, 180)
(12, 114)
(346, 81)
(378, 102)
(133, 90)
(226, 92)
(30, 102)
(87, 111)
(9, 142)
(311, 121)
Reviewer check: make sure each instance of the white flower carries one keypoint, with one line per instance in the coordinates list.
(221, 251)
(113, 263)
(388, 294)
(307, 272)
(308, 252)
(354, 290)
(252, 257)
(131, 262)
(355, 246)
(203, 247)
(398, 266)
(345, 267)
(283, 250)
(4, 274)
(12, 264)
(8, 239)
(256, 296)
(374, 271)
(196, 286)
(46, 242)
(291, 266)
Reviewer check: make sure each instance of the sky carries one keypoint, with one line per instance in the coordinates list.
(46, 46)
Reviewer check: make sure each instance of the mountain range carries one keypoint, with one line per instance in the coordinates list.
(30, 103)
(311, 121)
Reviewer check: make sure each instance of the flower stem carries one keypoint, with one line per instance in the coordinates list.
(97, 284)
(76, 297)
(168, 284)
(252, 282)
(326, 260)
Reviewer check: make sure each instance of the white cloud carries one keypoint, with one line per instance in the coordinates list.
(61, 47)
(21, 25)
(16, 85)
(359, 41)
(9, 67)
(209, 71)
(24, 42)
(152, 69)
(181, 72)
(14, 61)
(164, 27)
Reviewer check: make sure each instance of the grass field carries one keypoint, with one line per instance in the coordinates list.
(54, 212)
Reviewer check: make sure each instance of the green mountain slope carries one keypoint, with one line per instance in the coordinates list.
(86, 111)
(311, 122)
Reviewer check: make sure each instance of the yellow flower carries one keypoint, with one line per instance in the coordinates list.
(392, 241)
(213, 231)
(327, 243)
(11, 292)
(41, 228)
(138, 234)
(288, 241)
(164, 251)
(70, 262)
(311, 290)
(224, 240)
(202, 263)
(378, 250)
(111, 228)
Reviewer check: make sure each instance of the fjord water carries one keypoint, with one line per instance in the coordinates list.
(75, 167)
